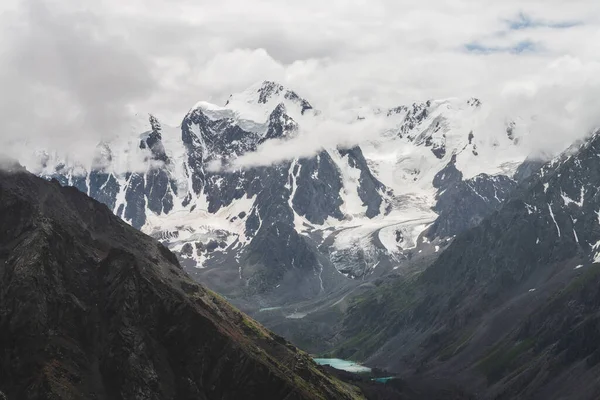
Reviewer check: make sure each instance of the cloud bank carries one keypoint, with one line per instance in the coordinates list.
(312, 138)
(74, 73)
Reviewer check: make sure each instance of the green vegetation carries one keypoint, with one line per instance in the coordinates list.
(502, 357)
(457, 346)
(590, 273)
(373, 318)
(255, 327)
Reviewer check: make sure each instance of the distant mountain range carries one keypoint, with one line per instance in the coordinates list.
(277, 235)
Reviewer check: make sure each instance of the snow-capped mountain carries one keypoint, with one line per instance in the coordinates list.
(306, 226)
(525, 282)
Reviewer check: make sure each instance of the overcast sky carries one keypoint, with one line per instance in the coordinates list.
(74, 70)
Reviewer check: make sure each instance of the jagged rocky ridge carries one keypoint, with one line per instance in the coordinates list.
(509, 310)
(463, 204)
(307, 227)
(92, 308)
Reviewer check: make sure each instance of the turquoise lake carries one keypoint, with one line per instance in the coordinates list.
(344, 365)
(384, 380)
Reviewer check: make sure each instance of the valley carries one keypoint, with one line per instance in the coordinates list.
(429, 249)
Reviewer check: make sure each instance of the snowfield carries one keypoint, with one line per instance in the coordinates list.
(409, 147)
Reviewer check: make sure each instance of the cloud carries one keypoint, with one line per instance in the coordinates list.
(561, 99)
(313, 137)
(67, 81)
(74, 73)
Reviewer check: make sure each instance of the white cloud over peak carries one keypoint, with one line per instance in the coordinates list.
(76, 72)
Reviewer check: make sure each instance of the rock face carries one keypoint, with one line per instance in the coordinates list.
(306, 227)
(92, 308)
(466, 203)
(509, 310)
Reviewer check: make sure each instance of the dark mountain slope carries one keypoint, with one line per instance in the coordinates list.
(92, 308)
(510, 309)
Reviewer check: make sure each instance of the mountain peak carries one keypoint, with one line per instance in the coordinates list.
(154, 124)
(474, 102)
(280, 124)
(268, 89)
(258, 101)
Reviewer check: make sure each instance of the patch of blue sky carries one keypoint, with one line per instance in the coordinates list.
(525, 46)
(525, 21)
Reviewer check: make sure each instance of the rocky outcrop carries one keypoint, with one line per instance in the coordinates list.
(466, 203)
(370, 190)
